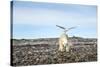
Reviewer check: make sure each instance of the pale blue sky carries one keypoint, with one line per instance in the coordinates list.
(39, 20)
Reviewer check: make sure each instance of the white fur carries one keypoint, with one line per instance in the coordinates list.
(63, 40)
(63, 43)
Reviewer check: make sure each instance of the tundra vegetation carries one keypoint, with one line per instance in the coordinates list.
(46, 51)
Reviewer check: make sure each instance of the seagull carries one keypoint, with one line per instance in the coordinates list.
(65, 28)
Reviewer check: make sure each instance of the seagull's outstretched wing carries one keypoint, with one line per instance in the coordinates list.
(61, 27)
(70, 28)
(65, 28)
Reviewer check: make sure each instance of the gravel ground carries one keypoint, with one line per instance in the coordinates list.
(46, 54)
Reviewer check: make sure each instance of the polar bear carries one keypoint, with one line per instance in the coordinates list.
(63, 43)
(63, 40)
